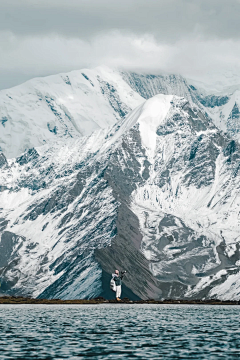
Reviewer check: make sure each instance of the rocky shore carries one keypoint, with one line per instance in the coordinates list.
(100, 300)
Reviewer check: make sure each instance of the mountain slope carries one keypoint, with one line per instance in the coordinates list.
(69, 105)
(157, 194)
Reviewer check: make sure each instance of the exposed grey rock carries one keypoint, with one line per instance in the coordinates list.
(9, 259)
(149, 85)
(233, 123)
(112, 96)
(30, 155)
(3, 160)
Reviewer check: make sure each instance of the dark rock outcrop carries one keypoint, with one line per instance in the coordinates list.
(3, 160)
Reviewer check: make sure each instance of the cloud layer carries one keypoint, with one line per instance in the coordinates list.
(199, 39)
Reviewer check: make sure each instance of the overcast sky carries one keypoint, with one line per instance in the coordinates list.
(199, 39)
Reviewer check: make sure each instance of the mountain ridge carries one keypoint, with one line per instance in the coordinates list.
(74, 104)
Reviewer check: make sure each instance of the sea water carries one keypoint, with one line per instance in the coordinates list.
(119, 331)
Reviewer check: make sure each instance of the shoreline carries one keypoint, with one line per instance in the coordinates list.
(24, 300)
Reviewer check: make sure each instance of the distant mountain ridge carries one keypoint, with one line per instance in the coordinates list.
(45, 110)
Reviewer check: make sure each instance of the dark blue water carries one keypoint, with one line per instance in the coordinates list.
(118, 331)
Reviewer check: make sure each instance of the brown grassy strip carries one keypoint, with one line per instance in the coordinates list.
(100, 300)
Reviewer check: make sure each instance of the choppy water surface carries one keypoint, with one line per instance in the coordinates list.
(119, 331)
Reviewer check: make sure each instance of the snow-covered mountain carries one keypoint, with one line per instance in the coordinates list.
(47, 109)
(74, 104)
(156, 194)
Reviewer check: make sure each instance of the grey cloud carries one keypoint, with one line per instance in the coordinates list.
(167, 20)
(26, 57)
(196, 38)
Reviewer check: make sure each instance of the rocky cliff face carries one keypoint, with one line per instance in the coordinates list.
(156, 194)
(221, 106)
